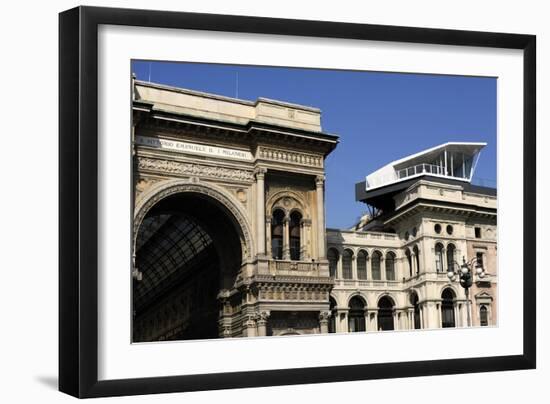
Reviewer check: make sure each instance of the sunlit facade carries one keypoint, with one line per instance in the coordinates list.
(229, 234)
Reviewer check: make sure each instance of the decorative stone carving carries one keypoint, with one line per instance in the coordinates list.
(319, 180)
(259, 172)
(195, 170)
(241, 195)
(262, 317)
(325, 315)
(286, 156)
(144, 183)
(163, 190)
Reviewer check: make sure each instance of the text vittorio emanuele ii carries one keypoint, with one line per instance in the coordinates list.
(194, 148)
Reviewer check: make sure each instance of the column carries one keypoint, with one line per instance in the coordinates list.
(367, 319)
(286, 239)
(250, 326)
(268, 236)
(339, 273)
(342, 320)
(306, 241)
(260, 209)
(369, 269)
(324, 317)
(413, 264)
(432, 316)
(464, 314)
(319, 183)
(262, 323)
(302, 239)
(395, 320)
(354, 266)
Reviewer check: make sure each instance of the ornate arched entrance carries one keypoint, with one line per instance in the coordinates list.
(191, 242)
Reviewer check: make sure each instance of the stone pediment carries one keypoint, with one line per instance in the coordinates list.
(483, 296)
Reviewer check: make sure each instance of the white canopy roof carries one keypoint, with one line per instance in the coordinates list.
(451, 160)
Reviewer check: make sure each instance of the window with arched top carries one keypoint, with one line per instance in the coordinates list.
(333, 256)
(362, 258)
(295, 233)
(416, 252)
(483, 316)
(448, 309)
(390, 266)
(277, 234)
(385, 314)
(375, 265)
(347, 257)
(356, 315)
(409, 262)
(451, 252)
(439, 257)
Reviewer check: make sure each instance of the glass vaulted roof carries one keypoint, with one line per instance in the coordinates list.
(164, 245)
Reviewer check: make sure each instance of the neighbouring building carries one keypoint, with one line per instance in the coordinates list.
(229, 235)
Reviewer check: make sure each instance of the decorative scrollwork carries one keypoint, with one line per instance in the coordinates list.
(164, 189)
(192, 169)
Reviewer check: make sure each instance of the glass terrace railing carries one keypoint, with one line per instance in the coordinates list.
(420, 169)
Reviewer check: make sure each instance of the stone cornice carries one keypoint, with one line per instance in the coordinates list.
(252, 132)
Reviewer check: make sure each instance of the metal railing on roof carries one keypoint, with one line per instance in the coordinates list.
(420, 169)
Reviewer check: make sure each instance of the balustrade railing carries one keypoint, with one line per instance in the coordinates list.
(284, 267)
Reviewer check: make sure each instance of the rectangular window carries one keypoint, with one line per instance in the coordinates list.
(479, 257)
(478, 232)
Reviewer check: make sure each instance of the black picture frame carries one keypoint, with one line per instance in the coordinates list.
(78, 200)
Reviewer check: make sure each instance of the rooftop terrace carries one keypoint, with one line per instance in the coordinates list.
(452, 160)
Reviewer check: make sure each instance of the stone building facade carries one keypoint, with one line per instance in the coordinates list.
(402, 265)
(229, 233)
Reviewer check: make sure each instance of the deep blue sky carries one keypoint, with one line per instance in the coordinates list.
(379, 117)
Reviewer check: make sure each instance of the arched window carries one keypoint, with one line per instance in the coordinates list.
(447, 309)
(332, 319)
(295, 219)
(416, 252)
(413, 298)
(439, 257)
(390, 266)
(362, 257)
(347, 257)
(375, 262)
(385, 314)
(450, 257)
(409, 262)
(356, 317)
(483, 316)
(277, 234)
(333, 256)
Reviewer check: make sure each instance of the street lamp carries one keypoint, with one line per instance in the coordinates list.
(465, 273)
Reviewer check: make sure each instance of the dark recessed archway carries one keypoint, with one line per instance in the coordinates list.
(188, 249)
(385, 314)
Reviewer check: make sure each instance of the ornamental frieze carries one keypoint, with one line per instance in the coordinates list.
(192, 169)
(290, 157)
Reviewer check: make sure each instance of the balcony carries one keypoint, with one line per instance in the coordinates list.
(297, 268)
(419, 169)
